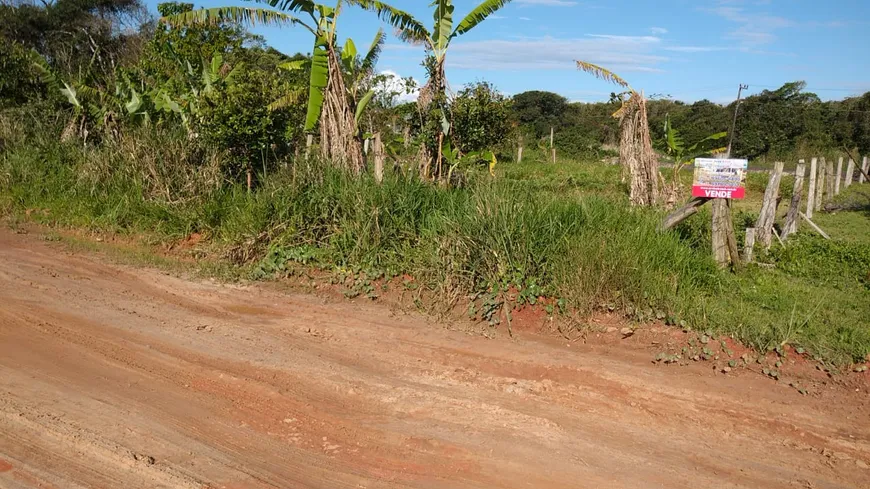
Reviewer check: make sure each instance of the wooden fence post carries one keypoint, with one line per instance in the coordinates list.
(820, 184)
(308, 140)
(552, 147)
(520, 149)
(720, 245)
(829, 181)
(378, 150)
(748, 244)
(839, 176)
(764, 225)
(791, 219)
(865, 166)
(850, 172)
(811, 190)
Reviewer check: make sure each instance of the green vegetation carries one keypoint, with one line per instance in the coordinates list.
(782, 124)
(164, 132)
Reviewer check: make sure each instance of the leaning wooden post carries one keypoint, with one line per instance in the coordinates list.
(839, 176)
(820, 184)
(865, 167)
(748, 244)
(764, 225)
(814, 226)
(791, 218)
(811, 190)
(850, 173)
(378, 150)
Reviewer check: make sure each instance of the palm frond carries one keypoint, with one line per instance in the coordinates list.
(288, 99)
(409, 29)
(296, 64)
(361, 107)
(372, 55)
(478, 15)
(602, 73)
(307, 6)
(443, 31)
(243, 15)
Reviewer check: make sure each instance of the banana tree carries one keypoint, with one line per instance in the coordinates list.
(432, 100)
(328, 102)
(683, 154)
(356, 71)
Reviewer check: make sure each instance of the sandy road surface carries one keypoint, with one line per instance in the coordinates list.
(114, 377)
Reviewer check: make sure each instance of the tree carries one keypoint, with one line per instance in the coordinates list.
(859, 117)
(636, 154)
(236, 118)
(87, 39)
(18, 83)
(481, 118)
(775, 120)
(432, 101)
(328, 101)
(538, 111)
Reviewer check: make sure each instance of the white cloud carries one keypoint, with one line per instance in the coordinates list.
(658, 30)
(525, 18)
(548, 3)
(754, 28)
(627, 39)
(694, 49)
(393, 83)
(617, 53)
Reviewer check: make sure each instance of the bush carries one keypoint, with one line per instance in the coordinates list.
(481, 118)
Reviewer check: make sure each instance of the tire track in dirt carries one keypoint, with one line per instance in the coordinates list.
(116, 377)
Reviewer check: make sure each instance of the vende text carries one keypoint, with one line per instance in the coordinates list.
(721, 194)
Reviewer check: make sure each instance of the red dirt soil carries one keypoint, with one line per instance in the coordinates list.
(112, 377)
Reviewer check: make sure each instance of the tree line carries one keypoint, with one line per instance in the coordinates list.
(102, 67)
(772, 123)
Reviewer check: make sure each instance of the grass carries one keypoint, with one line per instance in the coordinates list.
(562, 231)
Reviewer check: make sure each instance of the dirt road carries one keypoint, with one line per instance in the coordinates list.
(116, 377)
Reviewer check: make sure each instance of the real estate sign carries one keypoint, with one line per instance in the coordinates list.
(719, 178)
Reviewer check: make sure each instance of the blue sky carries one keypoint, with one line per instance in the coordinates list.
(689, 50)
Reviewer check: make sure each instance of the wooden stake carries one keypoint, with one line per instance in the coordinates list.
(850, 173)
(790, 225)
(811, 191)
(720, 245)
(748, 244)
(520, 154)
(552, 147)
(731, 237)
(818, 229)
(839, 176)
(308, 140)
(378, 150)
(764, 225)
(820, 184)
(865, 167)
(829, 182)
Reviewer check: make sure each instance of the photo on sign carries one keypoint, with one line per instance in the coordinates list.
(719, 178)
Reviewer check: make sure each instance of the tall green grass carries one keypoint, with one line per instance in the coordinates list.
(500, 234)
